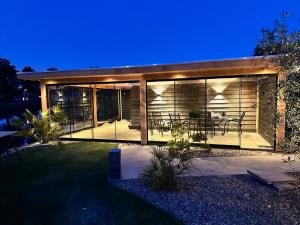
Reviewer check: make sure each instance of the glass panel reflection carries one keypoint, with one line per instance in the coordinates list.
(160, 109)
(223, 111)
(76, 103)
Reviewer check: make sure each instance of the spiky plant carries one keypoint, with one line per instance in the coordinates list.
(45, 127)
(170, 161)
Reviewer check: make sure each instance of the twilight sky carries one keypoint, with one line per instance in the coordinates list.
(79, 34)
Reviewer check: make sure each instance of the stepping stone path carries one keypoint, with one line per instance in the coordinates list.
(281, 181)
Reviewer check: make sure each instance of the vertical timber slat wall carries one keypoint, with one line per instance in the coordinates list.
(267, 107)
(190, 96)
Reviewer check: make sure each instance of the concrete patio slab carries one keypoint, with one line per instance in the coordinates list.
(271, 177)
(134, 159)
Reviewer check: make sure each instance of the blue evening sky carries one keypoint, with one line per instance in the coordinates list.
(80, 34)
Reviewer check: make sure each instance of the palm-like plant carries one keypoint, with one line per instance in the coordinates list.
(168, 162)
(47, 126)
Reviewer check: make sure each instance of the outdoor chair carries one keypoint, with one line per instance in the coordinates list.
(150, 124)
(159, 123)
(203, 123)
(237, 122)
(176, 117)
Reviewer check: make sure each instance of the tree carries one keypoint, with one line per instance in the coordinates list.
(8, 81)
(282, 47)
(29, 90)
(27, 69)
(52, 69)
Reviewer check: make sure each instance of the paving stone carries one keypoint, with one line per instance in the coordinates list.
(281, 187)
(272, 177)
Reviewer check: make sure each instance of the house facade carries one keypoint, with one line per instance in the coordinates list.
(231, 102)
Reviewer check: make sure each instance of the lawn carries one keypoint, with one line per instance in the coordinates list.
(67, 184)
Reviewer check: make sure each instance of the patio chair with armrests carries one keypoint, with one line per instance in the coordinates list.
(159, 123)
(150, 124)
(176, 117)
(236, 121)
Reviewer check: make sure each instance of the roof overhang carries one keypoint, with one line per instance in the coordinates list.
(205, 67)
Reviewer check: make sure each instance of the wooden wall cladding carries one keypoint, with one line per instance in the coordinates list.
(267, 107)
(134, 105)
(229, 96)
(126, 105)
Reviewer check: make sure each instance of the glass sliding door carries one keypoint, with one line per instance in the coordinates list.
(258, 101)
(117, 109)
(223, 111)
(107, 111)
(209, 109)
(160, 109)
(189, 108)
(76, 102)
(128, 122)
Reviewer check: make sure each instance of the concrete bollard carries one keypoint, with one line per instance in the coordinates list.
(114, 164)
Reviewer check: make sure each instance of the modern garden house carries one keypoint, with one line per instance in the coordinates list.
(232, 102)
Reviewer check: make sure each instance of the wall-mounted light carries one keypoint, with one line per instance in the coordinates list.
(159, 100)
(60, 95)
(84, 96)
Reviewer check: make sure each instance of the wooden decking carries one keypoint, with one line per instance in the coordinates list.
(120, 131)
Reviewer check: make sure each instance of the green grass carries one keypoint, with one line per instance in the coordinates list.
(67, 184)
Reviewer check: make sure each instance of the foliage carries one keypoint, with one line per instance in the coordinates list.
(29, 90)
(284, 46)
(27, 69)
(48, 126)
(194, 114)
(198, 137)
(170, 161)
(52, 69)
(8, 81)
(177, 130)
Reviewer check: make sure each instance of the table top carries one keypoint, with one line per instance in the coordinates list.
(7, 133)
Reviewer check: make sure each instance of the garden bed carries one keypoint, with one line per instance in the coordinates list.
(219, 152)
(222, 200)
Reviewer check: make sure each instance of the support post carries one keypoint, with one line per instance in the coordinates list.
(143, 112)
(43, 96)
(280, 128)
(95, 118)
(257, 109)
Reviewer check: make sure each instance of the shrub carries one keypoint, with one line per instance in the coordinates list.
(284, 46)
(170, 161)
(198, 137)
(194, 114)
(47, 126)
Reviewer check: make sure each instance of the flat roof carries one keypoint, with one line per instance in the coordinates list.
(237, 63)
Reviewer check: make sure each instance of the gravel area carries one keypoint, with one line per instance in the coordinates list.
(222, 200)
(218, 152)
